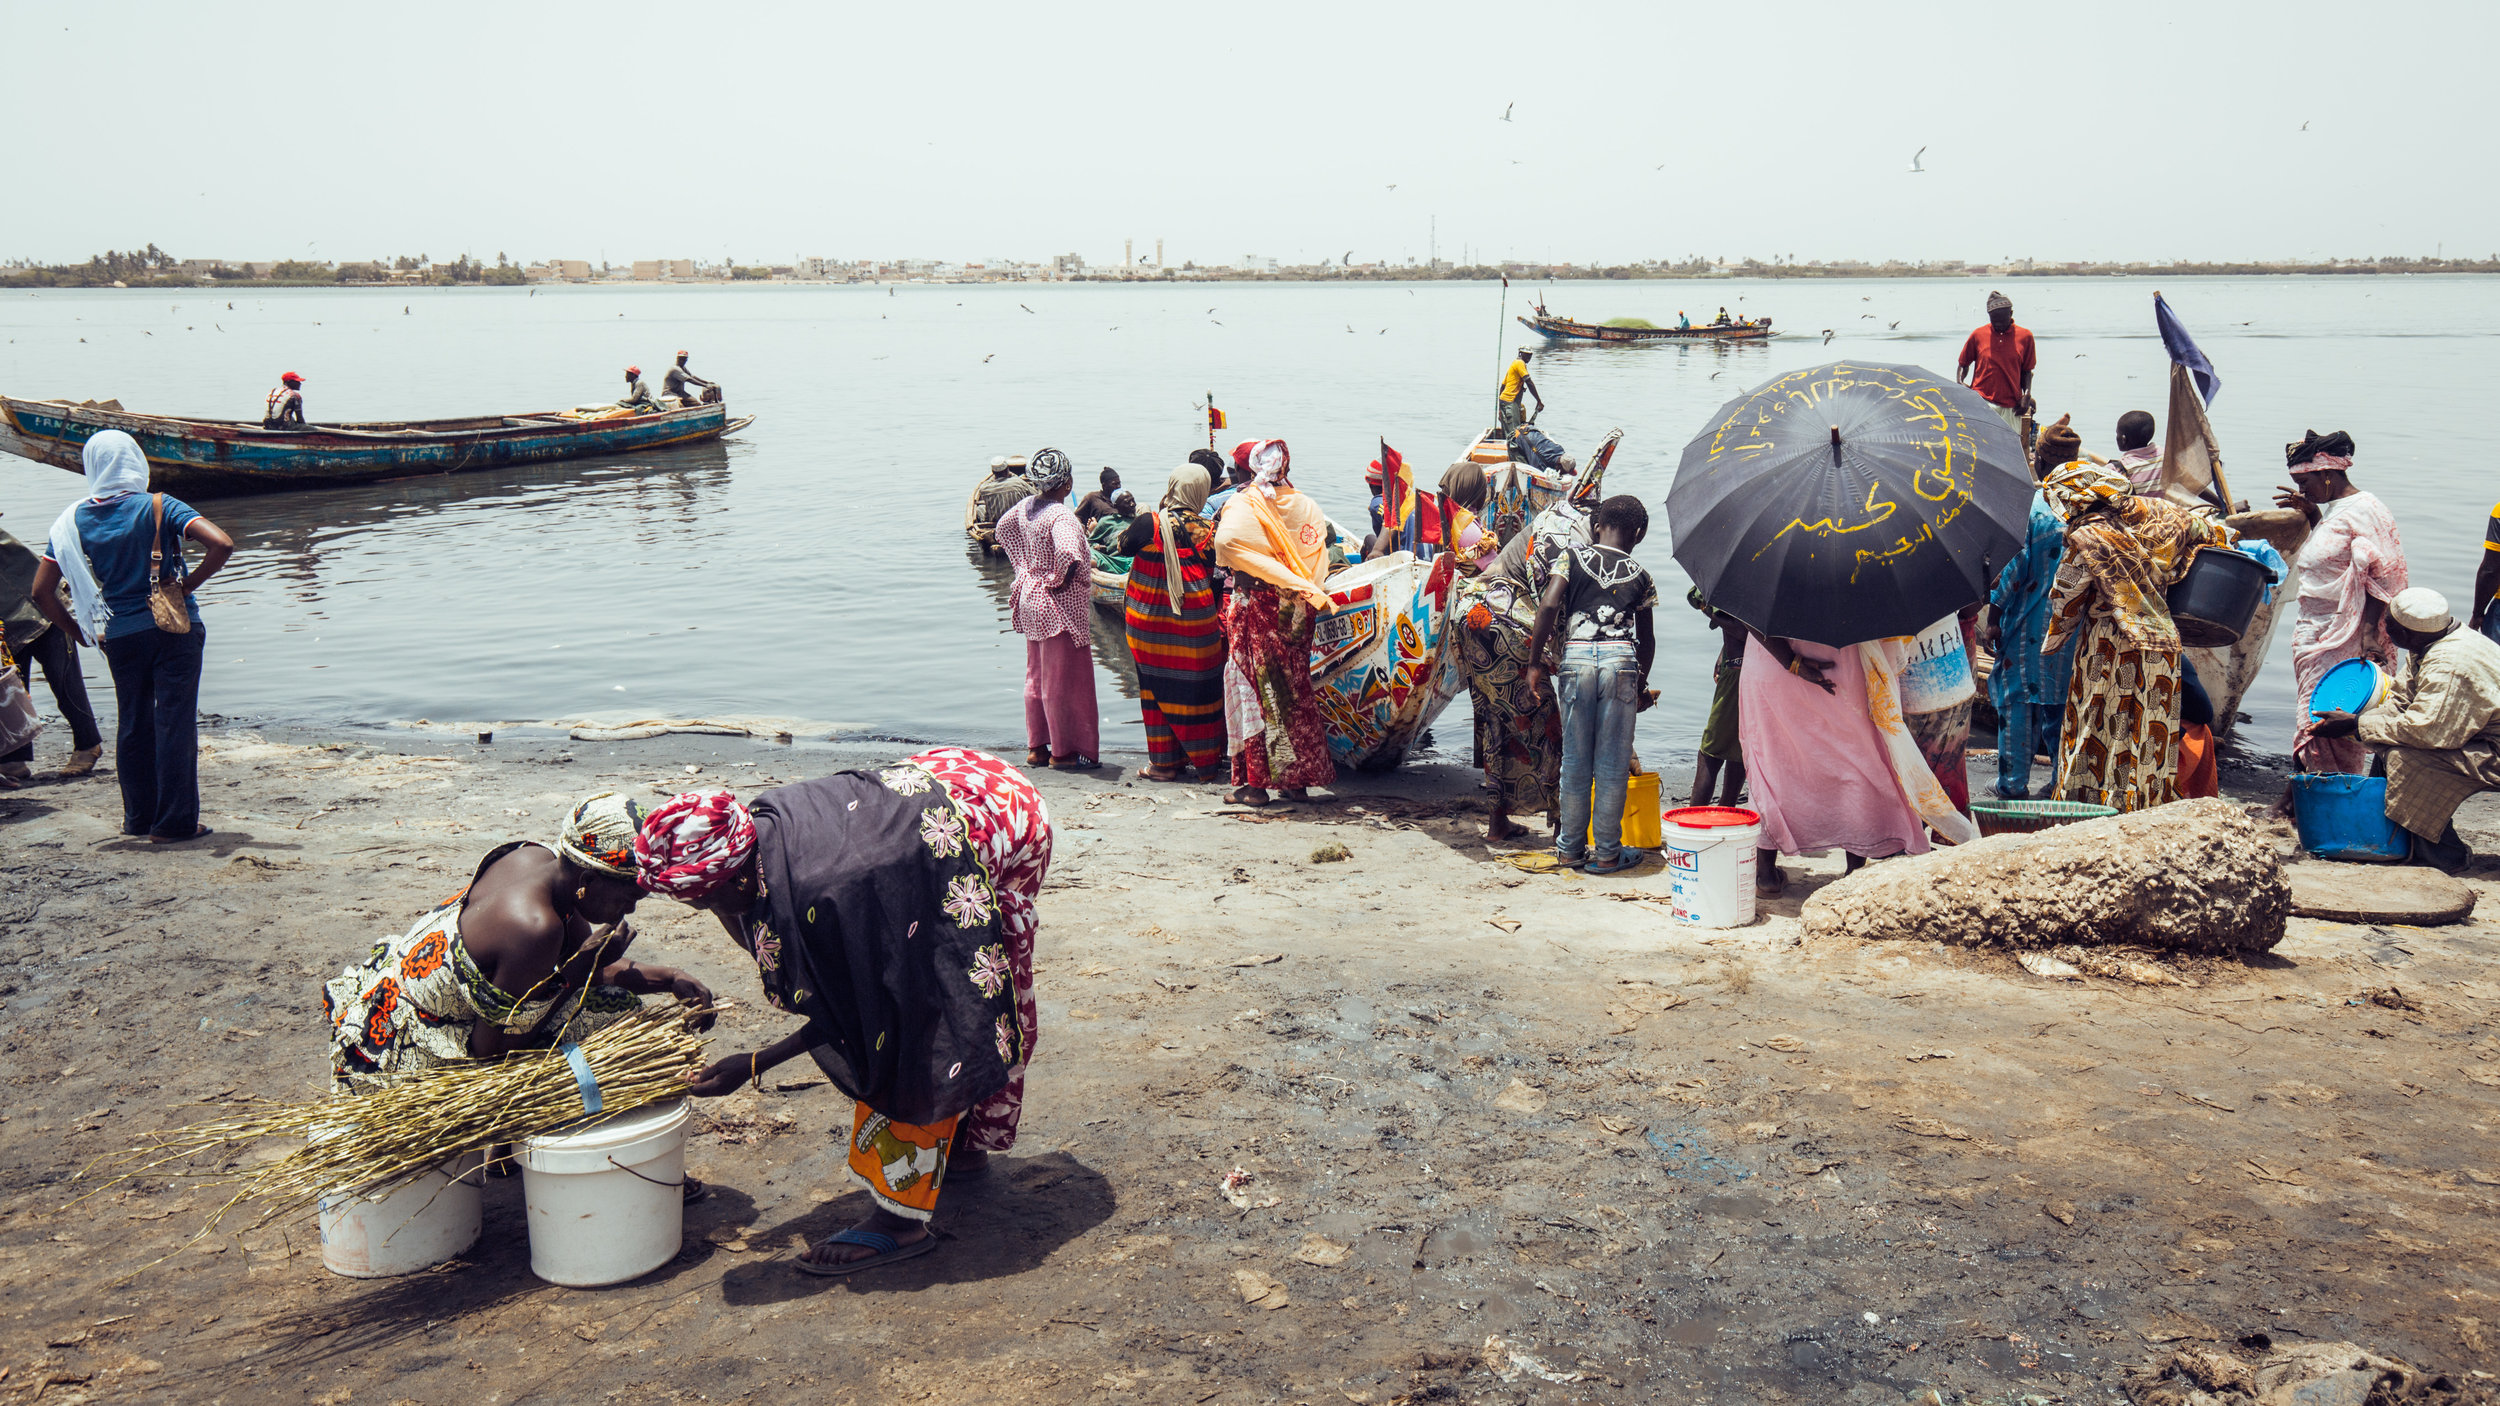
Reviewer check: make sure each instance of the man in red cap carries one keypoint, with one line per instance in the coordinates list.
(637, 395)
(284, 409)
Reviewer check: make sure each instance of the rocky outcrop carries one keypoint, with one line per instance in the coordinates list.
(2195, 876)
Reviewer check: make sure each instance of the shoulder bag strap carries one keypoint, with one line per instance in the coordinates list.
(156, 543)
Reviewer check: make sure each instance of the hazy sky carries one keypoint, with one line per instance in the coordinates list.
(976, 130)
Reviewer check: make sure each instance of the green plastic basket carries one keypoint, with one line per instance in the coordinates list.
(1997, 817)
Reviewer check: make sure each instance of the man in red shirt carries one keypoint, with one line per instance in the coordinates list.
(2005, 357)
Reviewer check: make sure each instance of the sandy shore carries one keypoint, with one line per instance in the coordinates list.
(1657, 1165)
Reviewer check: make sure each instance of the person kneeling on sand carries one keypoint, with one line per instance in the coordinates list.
(2439, 726)
(893, 911)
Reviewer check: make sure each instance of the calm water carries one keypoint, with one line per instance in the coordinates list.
(814, 568)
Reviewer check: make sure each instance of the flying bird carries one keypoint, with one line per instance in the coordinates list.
(1506, 107)
(2304, 126)
(1892, 326)
(1915, 168)
(1827, 336)
(1393, 185)
(1036, 314)
(1716, 375)
(1868, 316)
(1219, 324)
(1349, 258)
(986, 360)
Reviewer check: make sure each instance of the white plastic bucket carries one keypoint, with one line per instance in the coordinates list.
(417, 1226)
(1710, 865)
(605, 1203)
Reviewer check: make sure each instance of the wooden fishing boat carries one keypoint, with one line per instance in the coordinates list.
(233, 456)
(1563, 329)
(980, 534)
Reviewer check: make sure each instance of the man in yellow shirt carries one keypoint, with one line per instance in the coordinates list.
(1506, 401)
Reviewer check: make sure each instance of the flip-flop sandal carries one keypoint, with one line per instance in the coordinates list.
(1075, 764)
(1617, 865)
(888, 1251)
(1037, 756)
(1147, 773)
(1236, 798)
(202, 832)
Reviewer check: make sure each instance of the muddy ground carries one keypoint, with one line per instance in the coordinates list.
(1507, 1137)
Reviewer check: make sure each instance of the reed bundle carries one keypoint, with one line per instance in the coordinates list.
(407, 1126)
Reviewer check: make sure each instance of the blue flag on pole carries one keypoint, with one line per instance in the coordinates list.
(2183, 350)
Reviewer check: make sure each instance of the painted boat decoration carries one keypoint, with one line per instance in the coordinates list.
(1384, 657)
(233, 456)
(1563, 329)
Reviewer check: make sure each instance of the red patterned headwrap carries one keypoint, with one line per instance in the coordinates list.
(693, 844)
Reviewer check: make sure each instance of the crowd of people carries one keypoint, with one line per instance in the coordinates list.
(892, 910)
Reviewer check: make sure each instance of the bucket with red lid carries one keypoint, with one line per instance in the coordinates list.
(1710, 864)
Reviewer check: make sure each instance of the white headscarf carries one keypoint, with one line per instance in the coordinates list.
(115, 469)
(1269, 462)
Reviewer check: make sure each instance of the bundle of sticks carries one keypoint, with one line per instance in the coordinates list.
(413, 1123)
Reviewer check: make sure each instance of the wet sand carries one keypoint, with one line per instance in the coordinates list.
(1473, 1103)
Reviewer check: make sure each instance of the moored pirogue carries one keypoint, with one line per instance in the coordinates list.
(232, 456)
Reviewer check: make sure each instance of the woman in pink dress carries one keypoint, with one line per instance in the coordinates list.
(1053, 590)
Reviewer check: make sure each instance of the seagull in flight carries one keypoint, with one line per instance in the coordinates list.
(1827, 336)
(1915, 168)
(1892, 326)
(1506, 107)
(986, 360)
(1038, 314)
(2303, 126)
(1393, 185)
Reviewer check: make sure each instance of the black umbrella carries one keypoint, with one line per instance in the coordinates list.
(1850, 502)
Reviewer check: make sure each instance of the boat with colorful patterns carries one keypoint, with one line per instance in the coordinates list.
(205, 457)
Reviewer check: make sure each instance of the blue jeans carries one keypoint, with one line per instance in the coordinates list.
(156, 752)
(2491, 626)
(1600, 690)
(2041, 724)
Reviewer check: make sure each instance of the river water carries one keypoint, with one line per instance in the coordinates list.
(813, 568)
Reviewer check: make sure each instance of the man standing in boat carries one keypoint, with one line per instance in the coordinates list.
(284, 409)
(679, 378)
(2004, 357)
(1515, 379)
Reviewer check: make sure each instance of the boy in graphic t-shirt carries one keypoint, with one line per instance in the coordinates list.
(1603, 600)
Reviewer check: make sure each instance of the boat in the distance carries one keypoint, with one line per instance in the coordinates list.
(1563, 329)
(233, 456)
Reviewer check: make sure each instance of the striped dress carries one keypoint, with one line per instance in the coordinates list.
(1179, 653)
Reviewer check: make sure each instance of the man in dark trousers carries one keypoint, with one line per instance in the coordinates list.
(1997, 361)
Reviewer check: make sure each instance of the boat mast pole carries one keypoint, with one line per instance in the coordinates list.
(1499, 323)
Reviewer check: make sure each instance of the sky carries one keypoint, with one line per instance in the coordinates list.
(973, 131)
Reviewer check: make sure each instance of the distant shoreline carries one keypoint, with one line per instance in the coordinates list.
(38, 280)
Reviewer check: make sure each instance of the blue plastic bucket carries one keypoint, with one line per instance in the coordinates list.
(2343, 816)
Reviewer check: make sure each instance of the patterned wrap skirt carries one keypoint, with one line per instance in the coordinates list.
(1270, 638)
(1179, 654)
(2120, 747)
(903, 1165)
(1518, 735)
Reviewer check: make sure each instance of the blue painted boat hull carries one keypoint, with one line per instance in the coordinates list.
(205, 457)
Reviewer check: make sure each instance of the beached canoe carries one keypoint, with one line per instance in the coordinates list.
(1385, 657)
(233, 456)
(1563, 329)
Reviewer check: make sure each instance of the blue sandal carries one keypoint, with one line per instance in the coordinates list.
(888, 1251)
